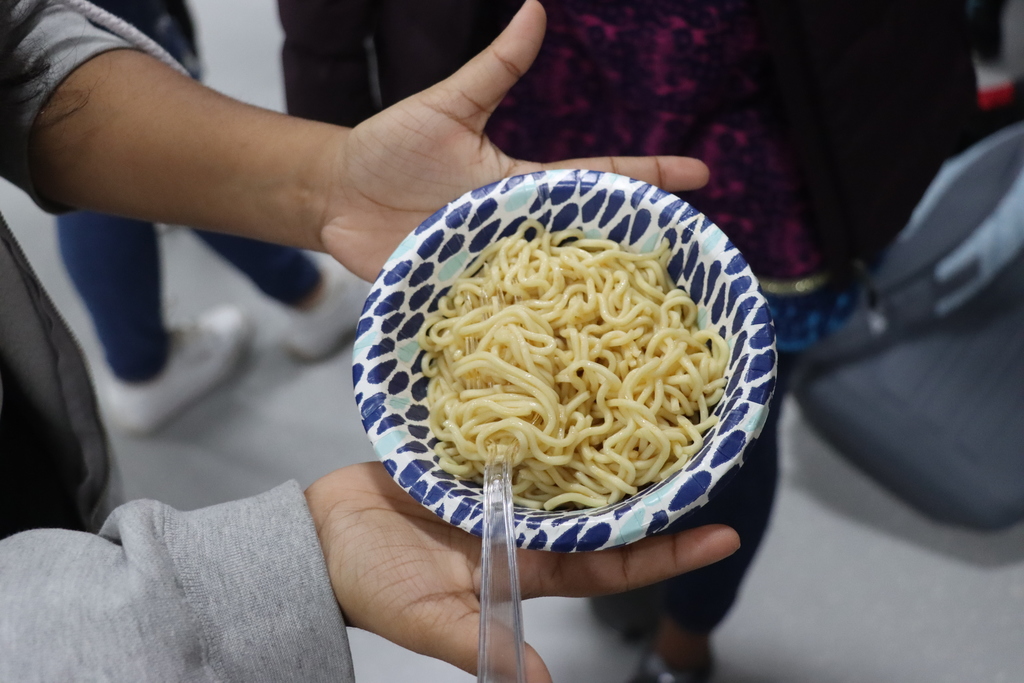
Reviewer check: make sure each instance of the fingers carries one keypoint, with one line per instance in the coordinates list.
(462, 653)
(670, 173)
(536, 669)
(474, 91)
(622, 569)
(458, 645)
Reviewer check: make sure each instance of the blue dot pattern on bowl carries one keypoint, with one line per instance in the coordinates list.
(391, 390)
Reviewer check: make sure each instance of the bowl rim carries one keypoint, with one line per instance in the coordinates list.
(635, 517)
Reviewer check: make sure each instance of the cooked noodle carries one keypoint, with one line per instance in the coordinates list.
(580, 361)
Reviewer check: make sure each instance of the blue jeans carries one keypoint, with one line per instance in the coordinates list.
(114, 263)
(115, 266)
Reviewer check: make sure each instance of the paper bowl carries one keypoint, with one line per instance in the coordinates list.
(391, 389)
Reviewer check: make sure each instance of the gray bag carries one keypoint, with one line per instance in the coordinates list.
(923, 389)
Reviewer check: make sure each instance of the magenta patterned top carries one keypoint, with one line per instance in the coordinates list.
(689, 77)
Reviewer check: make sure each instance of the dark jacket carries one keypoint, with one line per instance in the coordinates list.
(54, 463)
(877, 93)
(328, 73)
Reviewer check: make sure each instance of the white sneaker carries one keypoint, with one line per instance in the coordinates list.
(318, 332)
(201, 357)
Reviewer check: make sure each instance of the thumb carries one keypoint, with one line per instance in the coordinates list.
(474, 91)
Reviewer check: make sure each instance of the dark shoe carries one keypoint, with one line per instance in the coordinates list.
(653, 669)
(634, 615)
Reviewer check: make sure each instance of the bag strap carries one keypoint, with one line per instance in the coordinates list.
(963, 194)
(965, 230)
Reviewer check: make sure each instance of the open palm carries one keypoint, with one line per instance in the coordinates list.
(401, 572)
(413, 158)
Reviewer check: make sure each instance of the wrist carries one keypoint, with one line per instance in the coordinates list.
(285, 183)
(321, 506)
(318, 194)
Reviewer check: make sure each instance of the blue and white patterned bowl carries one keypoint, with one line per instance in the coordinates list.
(391, 389)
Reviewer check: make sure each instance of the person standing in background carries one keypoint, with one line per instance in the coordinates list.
(114, 263)
(821, 124)
(345, 60)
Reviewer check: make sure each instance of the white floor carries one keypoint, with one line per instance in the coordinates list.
(851, 586)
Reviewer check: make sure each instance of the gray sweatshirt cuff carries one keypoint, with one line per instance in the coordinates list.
(234, 593)
(255, 578)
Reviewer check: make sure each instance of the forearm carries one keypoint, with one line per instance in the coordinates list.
(124, 134)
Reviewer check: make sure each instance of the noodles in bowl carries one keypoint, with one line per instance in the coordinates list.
(581, 360)
(574, 341)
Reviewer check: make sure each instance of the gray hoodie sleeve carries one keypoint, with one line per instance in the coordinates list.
(233, 592)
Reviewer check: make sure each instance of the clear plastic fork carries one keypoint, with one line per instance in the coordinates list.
(501, 654)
